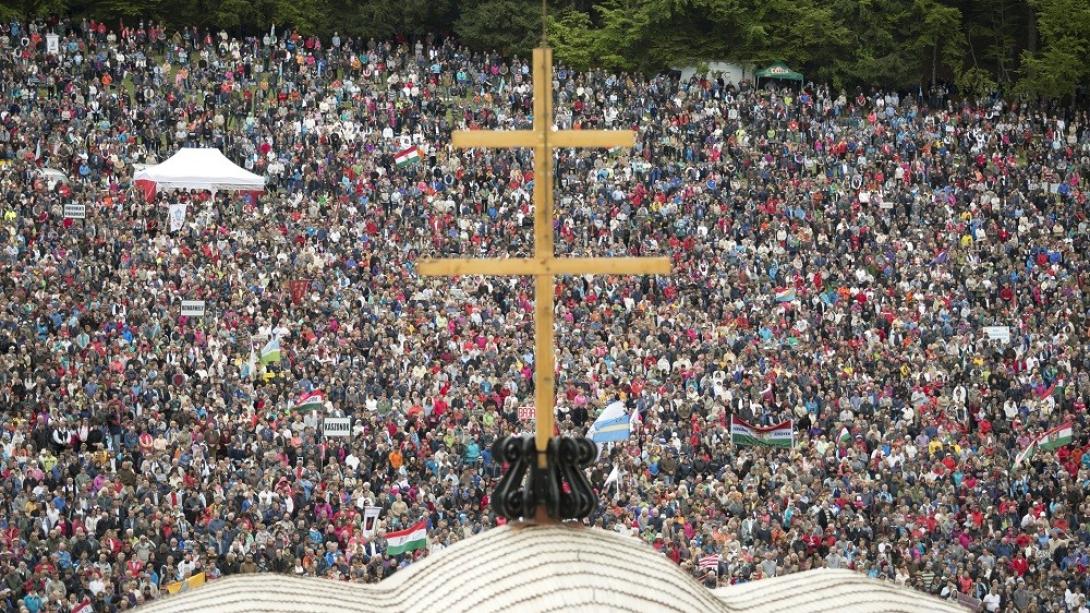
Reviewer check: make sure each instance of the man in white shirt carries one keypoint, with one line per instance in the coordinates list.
(186, 566)
(1073, 600)
(992, 600)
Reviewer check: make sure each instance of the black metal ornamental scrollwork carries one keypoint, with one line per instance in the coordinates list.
(562, 487)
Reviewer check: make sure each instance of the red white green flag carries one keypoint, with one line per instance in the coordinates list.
(1055, 438)
(745, 433)
(310, 401)
(408, 156)
(410, 539)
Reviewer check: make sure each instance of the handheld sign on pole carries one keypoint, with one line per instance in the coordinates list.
(337, 426)
(75, 211)
(193, 308)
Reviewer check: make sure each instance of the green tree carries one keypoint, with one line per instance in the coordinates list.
(508, 26)
(805, 34)
(650, 35)
(994, 34)
(1062, 63)
(384, 19)
(31, 9)
(572, 37)
(1043, 45)
(623, 42)
(891, 42)
(423, 17)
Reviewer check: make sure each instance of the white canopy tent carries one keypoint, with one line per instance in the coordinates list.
(198, 169)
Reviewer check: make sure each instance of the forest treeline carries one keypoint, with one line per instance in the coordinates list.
(1029, 47)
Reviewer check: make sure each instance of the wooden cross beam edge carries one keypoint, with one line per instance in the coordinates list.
(505, 139)
(549, 266)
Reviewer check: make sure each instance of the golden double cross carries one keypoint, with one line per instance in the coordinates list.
(544, 265)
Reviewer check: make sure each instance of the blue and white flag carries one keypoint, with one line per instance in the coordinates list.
(786, 294)
(270, 353)
(612, 425)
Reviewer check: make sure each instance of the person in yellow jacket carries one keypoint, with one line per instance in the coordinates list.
(934, 447)
(48, 460)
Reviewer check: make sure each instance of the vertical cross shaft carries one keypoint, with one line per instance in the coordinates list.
(544, 264)
(544, 329)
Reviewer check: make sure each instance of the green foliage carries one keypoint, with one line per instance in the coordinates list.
(378, 19)
(992, 30)
(624, 40)
(512, 27)
(23, 9)
(1055, 71)
(572, 40)
(423, 17)
(1038, 47)
(1059, 67)
(975, 82)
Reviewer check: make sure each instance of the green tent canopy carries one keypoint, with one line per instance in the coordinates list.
(779, 70)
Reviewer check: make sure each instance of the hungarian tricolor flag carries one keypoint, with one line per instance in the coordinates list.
(408, 156)
(1055, 438)
(745, 433)
(310, 401)
(410, 539)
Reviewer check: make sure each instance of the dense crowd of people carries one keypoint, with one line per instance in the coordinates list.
(837, 260)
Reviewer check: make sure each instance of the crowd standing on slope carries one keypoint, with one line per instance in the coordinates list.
(837, 258)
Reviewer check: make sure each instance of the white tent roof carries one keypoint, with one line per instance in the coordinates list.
(200, 169)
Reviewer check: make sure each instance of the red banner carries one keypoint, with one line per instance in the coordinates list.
(298, 289)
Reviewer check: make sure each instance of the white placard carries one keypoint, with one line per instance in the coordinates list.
(526, 413)
(75, 211)
(337, 426)
(177, 216)
(998, 333)
(193, 308)
(370, 519)
(52, 44)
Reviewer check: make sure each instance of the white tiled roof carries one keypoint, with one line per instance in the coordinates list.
(829, 590)
(546, 568)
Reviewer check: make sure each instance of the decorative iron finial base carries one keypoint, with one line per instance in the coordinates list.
(561, 488)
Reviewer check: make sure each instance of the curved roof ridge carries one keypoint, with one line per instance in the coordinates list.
(535, 568)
